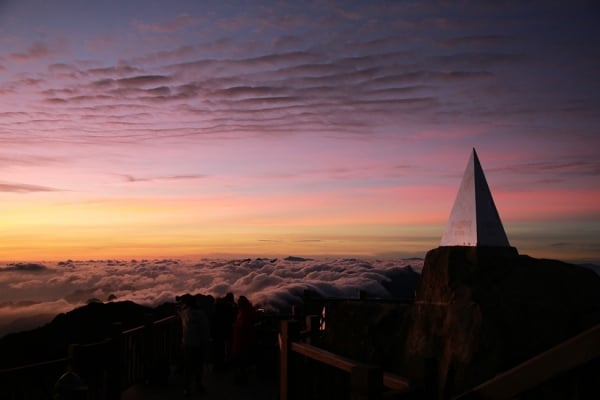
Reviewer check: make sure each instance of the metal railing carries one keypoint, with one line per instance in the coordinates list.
(107, 367)
(31, 382)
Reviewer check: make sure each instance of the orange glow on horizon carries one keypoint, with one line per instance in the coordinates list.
(336, 223)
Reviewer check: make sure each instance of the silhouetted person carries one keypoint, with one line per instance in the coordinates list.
(195, 337)
(224, 317)
(70, 386)
(244, 338)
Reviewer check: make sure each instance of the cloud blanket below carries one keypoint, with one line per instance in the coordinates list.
(31, 294)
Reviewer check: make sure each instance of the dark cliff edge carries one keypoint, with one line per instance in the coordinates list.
(87, 324)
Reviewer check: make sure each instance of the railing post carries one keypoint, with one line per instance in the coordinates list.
(289, 331)
(312, 326)
(366, 382)
(148, 352)
(114, 363)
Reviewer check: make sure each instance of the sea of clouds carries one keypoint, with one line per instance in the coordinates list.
(33, 293)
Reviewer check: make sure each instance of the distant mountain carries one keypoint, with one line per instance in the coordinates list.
(296, 259)
(403, 282)
(27, 323)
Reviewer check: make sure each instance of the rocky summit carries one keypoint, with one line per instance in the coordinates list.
(479, 311)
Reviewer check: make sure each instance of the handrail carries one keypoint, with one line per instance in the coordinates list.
(395, 382)
(391, 381)
(165, 320)
(133, 330)
(572, 353)
(367, 381)
(42, 364)
(154, 323)
(324, 356)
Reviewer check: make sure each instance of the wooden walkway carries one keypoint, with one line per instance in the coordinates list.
(217, 386)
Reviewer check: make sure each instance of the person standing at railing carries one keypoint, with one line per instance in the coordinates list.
(195, 339)
(70, 386)
(222, 331)
(244, 339)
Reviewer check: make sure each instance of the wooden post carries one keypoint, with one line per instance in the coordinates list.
(74, 356)
(289, 331)
(148, 352)
(366, 382)
(312, 326)
(307, 301)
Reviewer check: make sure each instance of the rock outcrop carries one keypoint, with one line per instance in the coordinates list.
(367, 331)
(479, 311)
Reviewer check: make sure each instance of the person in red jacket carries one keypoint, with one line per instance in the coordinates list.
(244, 338)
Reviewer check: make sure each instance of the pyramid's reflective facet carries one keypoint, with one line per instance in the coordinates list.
(474, 220)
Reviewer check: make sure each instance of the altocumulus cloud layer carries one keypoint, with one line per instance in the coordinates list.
(339, 68)
(31, 294)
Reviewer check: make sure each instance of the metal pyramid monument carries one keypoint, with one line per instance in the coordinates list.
(474, 220)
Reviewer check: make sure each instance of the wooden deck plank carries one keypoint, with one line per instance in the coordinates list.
(218, 386)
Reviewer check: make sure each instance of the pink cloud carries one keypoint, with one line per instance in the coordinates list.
(39, 50)
(24, 188)
(548, 204)
(100, 43)
(179, 22)
(36, 50)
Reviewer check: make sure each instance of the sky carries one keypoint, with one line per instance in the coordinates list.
(190, 128)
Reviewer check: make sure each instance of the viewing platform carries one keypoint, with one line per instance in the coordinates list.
(218, 385)
(147, 369)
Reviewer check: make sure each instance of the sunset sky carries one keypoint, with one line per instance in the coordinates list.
(199, 128)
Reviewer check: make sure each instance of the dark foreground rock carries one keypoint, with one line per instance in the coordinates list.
(367, 331)
(477, 312)
(481, 311)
